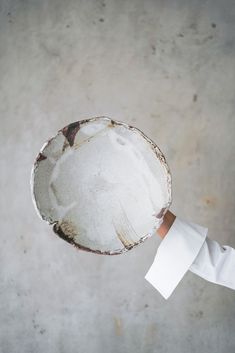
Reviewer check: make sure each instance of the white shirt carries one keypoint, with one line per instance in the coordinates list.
(187, 247)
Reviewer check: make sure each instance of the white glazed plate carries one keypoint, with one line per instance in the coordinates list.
(102, 184)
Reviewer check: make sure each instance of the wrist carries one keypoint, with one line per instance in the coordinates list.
(168, 220)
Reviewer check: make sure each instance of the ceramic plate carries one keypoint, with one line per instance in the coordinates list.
(102, 184)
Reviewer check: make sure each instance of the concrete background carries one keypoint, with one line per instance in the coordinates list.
(166, 67)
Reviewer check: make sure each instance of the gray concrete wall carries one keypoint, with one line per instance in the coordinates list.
(166, 67)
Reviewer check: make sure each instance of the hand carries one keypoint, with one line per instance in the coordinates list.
(168, 220)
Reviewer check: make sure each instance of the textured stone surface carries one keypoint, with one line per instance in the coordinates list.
(166, 67)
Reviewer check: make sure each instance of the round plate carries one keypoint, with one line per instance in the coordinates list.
(102, 184)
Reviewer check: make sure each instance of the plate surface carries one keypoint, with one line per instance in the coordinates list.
(102, 184)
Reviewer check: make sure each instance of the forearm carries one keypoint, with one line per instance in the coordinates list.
(176, 253)
(209, 259)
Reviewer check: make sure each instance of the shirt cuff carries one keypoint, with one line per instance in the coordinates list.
(175, 255)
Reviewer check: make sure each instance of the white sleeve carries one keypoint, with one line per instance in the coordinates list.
(176, 253)
(216, 264)
(185, 247)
